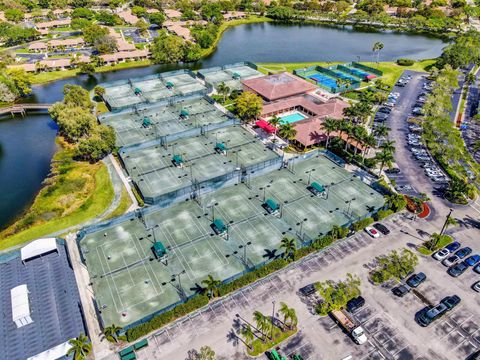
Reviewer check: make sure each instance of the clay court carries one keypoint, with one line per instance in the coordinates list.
(130, 283)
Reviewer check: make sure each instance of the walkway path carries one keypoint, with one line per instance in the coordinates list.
(125, 182)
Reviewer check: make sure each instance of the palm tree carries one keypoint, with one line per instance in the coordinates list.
(211, 285)
(476, 147)
(329, 125)
(388, 146)
(369, 141)
(261, 322)
(347, 82)
(376, 49)
(293, 318)
(381, 131)
(287, 131)
(81, 347)
(289, 247)
(385, 158)
(224, 90)
(348, 129)
(285, 311)
(275, 121)
(248, 335)
(111, 332)
(340, 82)
(288, 314)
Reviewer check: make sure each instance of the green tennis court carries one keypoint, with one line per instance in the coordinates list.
(162, 120)
(153, 171)
(127, 279)
(231, 76)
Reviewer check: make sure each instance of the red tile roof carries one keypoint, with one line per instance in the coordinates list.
(278, 86)
(311, 103)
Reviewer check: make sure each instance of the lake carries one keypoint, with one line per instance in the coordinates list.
(28, 143)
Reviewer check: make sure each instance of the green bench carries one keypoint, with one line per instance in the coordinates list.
(127, 353)
(141, 344)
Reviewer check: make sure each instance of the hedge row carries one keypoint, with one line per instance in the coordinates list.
(200, 301)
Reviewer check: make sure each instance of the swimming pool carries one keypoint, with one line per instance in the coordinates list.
(288, 119)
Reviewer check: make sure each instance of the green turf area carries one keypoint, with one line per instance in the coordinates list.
(127, 279)
(77, 192)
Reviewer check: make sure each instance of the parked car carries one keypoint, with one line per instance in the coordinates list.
(449, 261)
(393, 171)
(416, 279)
(424, 318)
(401, 290)
(372, 232)
(451, 301)
(477, 269)
(457, 269)
(463, 252)
(307, 290)
(382, 228)
(473, 260)
(454, 246)
(355, 304)
(441, 254)
(476, 286)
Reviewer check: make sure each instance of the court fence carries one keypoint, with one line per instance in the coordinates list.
(202, 72)
(366, 68)
(354, 84)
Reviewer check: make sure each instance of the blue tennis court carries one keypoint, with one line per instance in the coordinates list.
(344, 76)
(359, 73)
(324, 80)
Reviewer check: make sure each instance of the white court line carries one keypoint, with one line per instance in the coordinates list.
(108, 283)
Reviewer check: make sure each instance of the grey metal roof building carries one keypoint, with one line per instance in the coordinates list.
(53, 303)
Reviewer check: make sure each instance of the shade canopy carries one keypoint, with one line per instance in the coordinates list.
(38, 247)
(57, 352)
(177, 159)
(220, 147)
(137, 91)
(147, 121)
(264, 125)
(272, 205)
(184, 112)
(169, 84)
(236, 75)
(317, 187)
(219, 226)
(158, 249)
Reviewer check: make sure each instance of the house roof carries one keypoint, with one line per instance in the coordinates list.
(172, 13)
(128, 17)
(122, 55)
(318, 107)
(66, 42)
(49, 24)
(123, 45)
(37, 46)
(278, 86)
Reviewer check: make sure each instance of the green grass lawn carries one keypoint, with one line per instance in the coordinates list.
(259, 347)
(444, 241)
(75, 192)
(122, 207)
(391, 71)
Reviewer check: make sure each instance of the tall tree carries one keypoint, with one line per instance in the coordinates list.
(287, 132)
(329, 125)
(377, 47)
(111, 332)
(384, 158)
(289, 247)
(80, 347)
(248, 105)
(223, 90)
(211, 286)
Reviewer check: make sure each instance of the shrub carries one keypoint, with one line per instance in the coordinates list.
(405, 62)
(382, 214)
(359, 225)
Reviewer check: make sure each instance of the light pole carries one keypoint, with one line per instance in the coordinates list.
(178, 287)
(309, 172)
(349, 202)
(445, 224)
(273, 318)
(246, 322)
(264, 192)
(301, 226)
(243, 258)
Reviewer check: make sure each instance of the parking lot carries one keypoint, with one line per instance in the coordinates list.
(411, 157)
(387, 319)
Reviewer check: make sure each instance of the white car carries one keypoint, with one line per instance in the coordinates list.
(441, 254)
(449, 261)
(372, 232)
